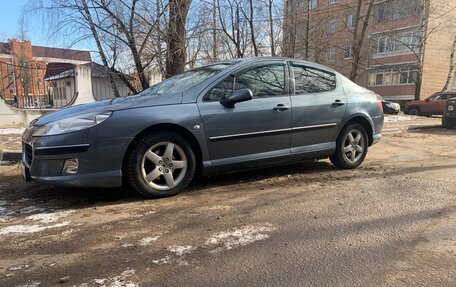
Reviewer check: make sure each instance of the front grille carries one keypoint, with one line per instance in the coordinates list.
(28, 154)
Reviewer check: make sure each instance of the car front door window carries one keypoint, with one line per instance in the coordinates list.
(264, 81)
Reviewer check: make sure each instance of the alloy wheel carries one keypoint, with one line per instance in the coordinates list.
(164, 166)
(354, 146)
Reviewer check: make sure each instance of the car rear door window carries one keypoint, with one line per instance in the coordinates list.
(264, 81)
(311, 80)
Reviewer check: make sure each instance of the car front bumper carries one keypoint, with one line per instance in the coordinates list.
(99, 160)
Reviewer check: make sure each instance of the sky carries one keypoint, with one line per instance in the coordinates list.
(9, 22)
(11, 11)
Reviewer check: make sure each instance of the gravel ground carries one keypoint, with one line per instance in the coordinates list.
(390, 222)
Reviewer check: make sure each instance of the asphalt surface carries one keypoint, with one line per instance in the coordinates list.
(391, 222)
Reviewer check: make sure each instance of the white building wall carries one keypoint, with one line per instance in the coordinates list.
(84, 85)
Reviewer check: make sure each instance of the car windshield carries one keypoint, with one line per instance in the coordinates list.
(186, 80)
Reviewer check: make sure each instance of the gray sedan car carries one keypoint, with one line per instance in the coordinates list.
(226, 116)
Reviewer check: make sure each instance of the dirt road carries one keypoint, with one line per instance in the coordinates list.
(392, 222)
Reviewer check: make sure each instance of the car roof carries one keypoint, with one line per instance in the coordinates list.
(251, 60)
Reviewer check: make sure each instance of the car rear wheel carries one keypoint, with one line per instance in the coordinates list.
(414, 111)
(160, 165)
(352, 146)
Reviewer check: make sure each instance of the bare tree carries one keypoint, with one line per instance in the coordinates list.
(176, 56)
(359, 35)
(452, 65)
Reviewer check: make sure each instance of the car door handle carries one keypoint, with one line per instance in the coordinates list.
(338, 103)
(280, 108)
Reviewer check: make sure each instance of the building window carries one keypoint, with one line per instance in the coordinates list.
(397, 43)
(332, 2)
(313, 4)
(331, 54)
(348, 52)
(393, 76)
(332, 25)
(395, 9)
(350, 21)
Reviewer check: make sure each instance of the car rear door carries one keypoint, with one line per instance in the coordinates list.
(254, 129)
(318, 107)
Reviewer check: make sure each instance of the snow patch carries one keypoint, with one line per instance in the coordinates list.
(239, 237)
(20, 229)
(399, 118)
(147, 240)
(115, 281)
(49, 217)
(178, 252)
(6, 214)
(33, 283)
(18, 267)
(12, 131)
(181, 250)
(31, 209)
(163, 260)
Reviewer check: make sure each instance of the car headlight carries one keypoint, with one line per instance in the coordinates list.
(450, 108)
(72, 124)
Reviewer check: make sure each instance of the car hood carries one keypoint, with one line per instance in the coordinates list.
(111, 105)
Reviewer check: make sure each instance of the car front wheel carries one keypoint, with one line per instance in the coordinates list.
(352, 146)
(414, 111)
(160, 165)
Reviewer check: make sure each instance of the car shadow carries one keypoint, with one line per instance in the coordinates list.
(431, 129)
(14, 188)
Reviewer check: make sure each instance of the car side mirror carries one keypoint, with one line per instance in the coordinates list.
(241, 95)
(426, 100)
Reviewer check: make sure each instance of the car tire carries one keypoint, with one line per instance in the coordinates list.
(350, 150)
(414, 111)
(160, 164)
(448, 124)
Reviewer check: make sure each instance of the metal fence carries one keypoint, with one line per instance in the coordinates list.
(32, 85)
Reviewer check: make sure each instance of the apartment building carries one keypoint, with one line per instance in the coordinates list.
(401, 40)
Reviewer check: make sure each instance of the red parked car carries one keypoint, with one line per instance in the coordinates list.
(434, 105)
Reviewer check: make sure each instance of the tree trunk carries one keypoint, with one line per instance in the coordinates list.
(176, 54)
(420, 55)
(271, 29)
(358, 37)
(88, 16)
(252, 31)
(451, 67)
(214, 31)
(307, 39)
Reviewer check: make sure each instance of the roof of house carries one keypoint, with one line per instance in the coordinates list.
(50, 52)
(57, 71)
(99, 71)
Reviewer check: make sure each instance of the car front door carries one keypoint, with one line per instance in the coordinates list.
(254, 129)
(318, 106)
(431, 104)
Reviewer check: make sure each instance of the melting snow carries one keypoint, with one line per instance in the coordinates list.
(177, 251)
(239, 237)
(12, 131)
(29, 228)
(6, 214)
(18, 267)
(33, 283)
(31, 209)
(399, 118)
(147, 240)
(49, 217)
(181, 250)
(116, 281)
